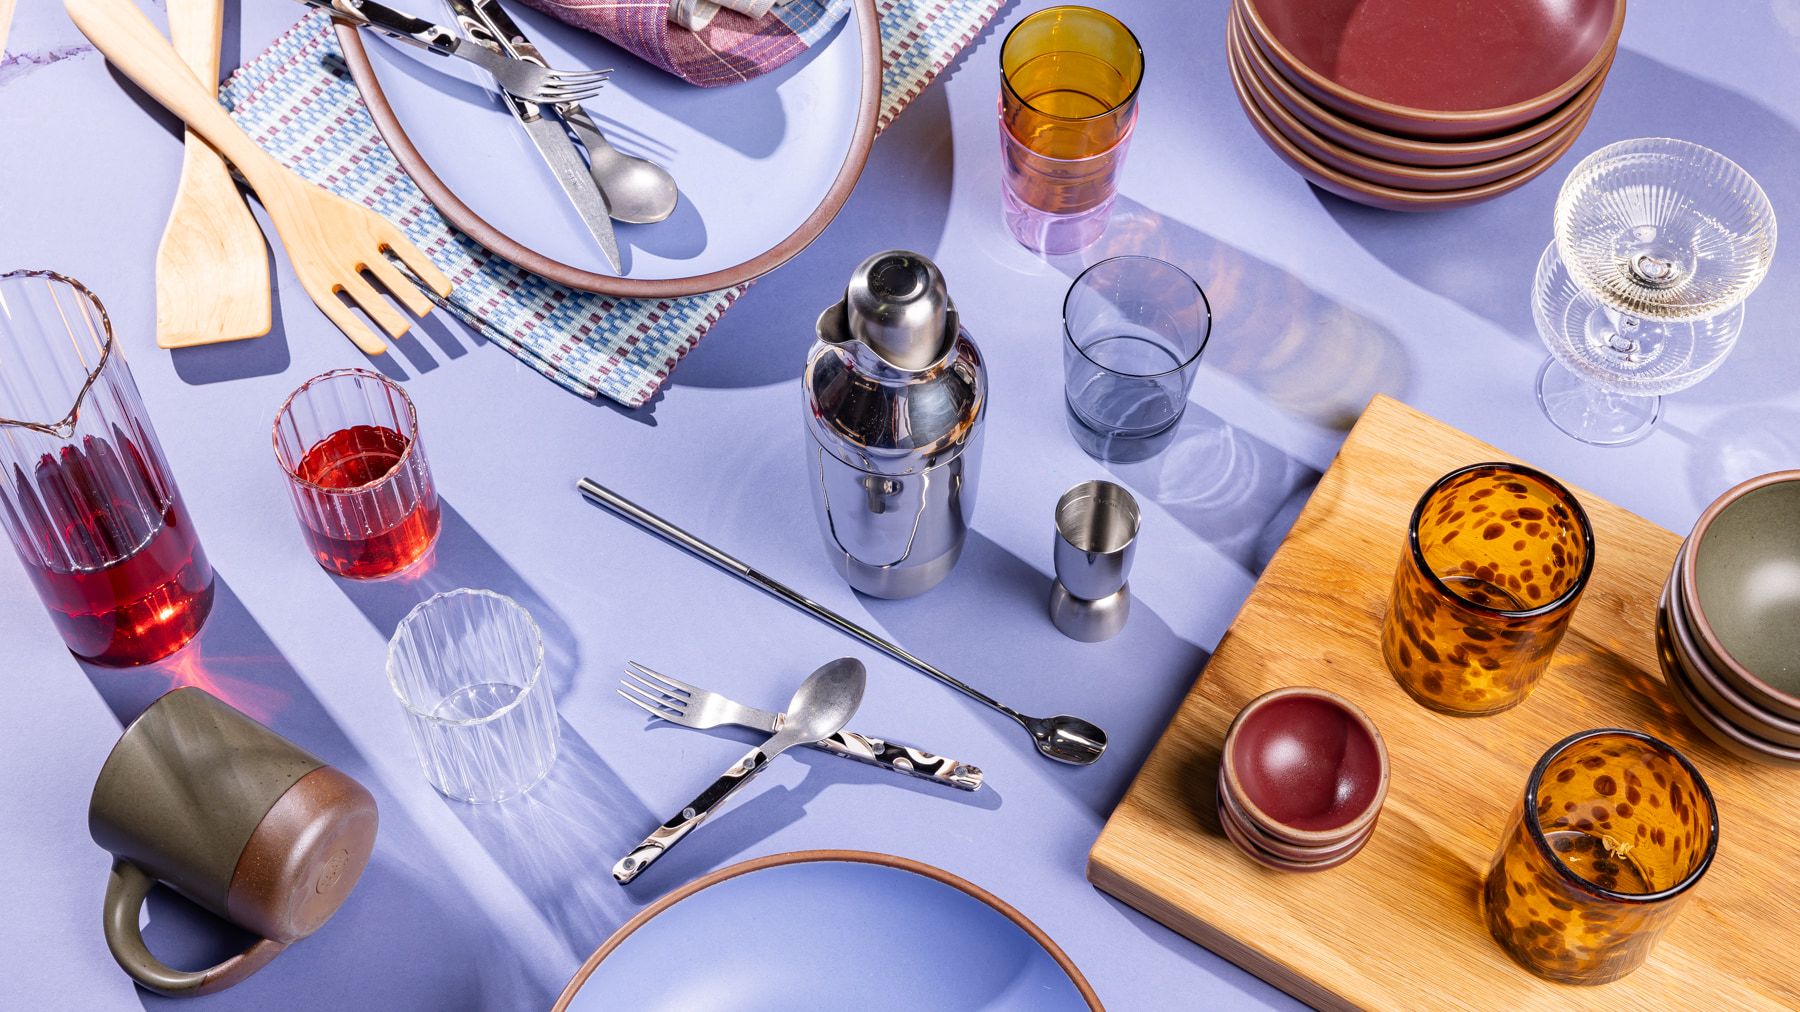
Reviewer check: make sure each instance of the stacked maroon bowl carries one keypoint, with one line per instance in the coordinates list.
(1416, 105)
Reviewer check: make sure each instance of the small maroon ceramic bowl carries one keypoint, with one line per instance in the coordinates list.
(1229, 812)
(1269, 859)
(1305, 766)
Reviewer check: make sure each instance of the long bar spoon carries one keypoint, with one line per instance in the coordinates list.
(1063, 738)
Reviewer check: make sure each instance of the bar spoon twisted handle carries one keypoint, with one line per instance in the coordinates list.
(1064, 738)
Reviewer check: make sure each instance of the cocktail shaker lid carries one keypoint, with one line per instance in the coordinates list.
(898, 306)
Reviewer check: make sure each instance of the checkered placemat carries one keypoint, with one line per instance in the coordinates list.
(297, 100)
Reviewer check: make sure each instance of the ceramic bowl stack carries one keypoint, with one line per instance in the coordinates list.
(1418, 105)
(1301, 779)
(1728, 630)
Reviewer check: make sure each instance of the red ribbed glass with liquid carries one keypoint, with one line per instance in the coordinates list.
(348, 441)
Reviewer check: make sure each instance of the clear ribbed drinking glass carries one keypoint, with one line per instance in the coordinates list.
(468, 667)
(86, 494)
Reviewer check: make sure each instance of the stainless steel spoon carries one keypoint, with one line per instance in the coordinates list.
(824, 703)
(1063, 738)
(637, 190)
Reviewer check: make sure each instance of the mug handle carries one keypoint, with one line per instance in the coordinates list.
(126, 888)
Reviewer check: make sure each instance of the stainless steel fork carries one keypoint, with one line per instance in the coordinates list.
(678, 702)
(524, 80)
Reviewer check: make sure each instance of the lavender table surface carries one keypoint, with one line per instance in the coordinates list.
(1320, 304)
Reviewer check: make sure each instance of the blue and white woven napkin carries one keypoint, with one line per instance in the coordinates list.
(297, 100)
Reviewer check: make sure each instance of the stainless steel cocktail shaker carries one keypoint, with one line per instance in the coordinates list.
(895, 394)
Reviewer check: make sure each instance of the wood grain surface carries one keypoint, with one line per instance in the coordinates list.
(1400, 926)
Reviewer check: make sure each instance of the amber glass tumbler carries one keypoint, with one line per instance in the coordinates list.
(1497, 556)
(1069, 80)
(1615, 827)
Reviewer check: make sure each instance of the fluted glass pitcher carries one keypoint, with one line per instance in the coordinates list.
(87, 497)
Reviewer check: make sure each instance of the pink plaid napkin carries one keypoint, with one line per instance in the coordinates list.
(732, 48)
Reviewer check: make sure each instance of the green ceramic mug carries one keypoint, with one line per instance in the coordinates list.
(234, 817)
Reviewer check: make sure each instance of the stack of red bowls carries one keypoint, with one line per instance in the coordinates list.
(1301, 780)
(1417, 105)
(1728, 631)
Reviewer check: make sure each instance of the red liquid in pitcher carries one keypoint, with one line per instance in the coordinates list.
(366, 542)
(139, 586)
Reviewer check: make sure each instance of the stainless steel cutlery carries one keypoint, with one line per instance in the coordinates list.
(824, 703)
(1063, 738)
(531, 82)
(678, 702)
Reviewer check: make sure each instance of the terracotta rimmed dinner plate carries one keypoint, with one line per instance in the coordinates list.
(1438, 68)
(1406, 150)
(828, 929)
(1386, 173)
(763, 165)
(1373, 194)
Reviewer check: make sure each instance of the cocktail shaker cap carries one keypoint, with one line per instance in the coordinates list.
(899, 308)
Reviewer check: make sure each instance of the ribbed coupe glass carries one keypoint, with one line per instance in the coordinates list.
(87, 496)
(1614, 829)
(1496, 559)
(468, 667)
(1658, 243)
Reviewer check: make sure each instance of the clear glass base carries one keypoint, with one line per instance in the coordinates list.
(1592, 414)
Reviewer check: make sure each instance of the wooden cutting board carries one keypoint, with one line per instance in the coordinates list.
(1400, 925)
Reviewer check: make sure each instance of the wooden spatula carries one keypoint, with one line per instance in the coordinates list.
(212, 277)
(330, 241)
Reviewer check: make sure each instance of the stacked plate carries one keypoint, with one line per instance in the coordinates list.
(1416, 105)
(1728, 630)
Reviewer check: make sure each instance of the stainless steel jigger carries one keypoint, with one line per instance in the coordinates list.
(1096, 538)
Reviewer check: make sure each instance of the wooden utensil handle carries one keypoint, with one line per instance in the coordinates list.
(195, 27)
(132, 44)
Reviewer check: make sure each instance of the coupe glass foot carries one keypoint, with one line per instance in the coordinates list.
(1591, 414)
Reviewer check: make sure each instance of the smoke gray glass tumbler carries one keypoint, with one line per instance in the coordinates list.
(1133, 331)
(468, 666)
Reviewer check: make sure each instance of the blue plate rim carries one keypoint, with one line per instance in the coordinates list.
(907, 864)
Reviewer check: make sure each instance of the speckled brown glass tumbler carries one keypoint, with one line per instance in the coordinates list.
(1497, 556)
(1615, 827)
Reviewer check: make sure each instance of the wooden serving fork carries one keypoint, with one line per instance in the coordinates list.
(329, 240)
(212, 278)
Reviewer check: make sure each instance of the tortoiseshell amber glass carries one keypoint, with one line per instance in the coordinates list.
(1614, 828)
(1497, 557)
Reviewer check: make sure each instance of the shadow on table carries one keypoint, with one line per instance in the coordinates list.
(1484, 256)
(1734, 447)
(463, 558)
(431, 953)
(905, 188)
(1233, 490)
(558, 843)
(1311, 356)
(1129, 685)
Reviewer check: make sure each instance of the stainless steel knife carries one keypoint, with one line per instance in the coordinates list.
(587, 133)
(478, 21)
